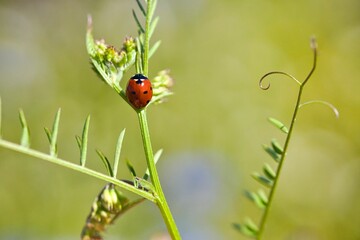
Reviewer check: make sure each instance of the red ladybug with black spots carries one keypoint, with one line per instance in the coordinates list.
(139, 91)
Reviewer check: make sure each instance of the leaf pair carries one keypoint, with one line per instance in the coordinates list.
(82, 142)
(51, 134)
(248, 228)
(25, 132)
(112, 171)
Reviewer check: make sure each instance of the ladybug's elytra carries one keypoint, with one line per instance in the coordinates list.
(139, 91)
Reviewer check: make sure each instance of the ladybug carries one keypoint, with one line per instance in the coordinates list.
(139, 91)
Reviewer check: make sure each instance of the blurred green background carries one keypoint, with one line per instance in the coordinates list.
(211, 130)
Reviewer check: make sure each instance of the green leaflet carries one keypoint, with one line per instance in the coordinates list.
(279, 125)
(106, 162)
(25, 134)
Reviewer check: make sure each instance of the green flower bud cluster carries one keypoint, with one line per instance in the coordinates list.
(162, 85)
(109, 62)
(106, 207)
(108, 54)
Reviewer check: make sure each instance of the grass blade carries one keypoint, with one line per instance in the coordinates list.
(84, 141)
(25, 135)
(118, 152)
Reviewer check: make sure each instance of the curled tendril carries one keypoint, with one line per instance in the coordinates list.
(313, 46)
(272, 73)
(332, 107)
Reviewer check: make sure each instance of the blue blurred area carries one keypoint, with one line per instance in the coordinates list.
(211, 130)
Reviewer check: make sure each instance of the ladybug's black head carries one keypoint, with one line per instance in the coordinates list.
(139, 76)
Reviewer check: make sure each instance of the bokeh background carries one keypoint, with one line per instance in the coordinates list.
(211, 130)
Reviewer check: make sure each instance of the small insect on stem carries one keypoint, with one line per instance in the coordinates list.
(139, 91)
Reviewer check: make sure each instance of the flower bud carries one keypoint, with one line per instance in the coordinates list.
(162, 84)
(129, 45)
(109, 62)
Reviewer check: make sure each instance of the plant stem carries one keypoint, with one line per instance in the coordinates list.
(76, 167)
(287, 141)
(273, 188)
(159, 194)
(161, 200)
(147, 39)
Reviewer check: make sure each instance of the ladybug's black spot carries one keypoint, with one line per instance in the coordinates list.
(147, 101)
(139, 81)
(145, 92)
(133, 93)
(151, 88)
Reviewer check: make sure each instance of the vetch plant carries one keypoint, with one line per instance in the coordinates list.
(111, 64)
(269, 177)
(141, 91)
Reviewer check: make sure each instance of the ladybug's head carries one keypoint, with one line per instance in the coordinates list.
(139, 76)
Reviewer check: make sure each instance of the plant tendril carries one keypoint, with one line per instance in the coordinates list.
(332, 107)
(264, 217)
(313, 46)
(272, 73)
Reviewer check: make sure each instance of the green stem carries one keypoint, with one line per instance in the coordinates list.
(278, 171)
(159, 194)
(76, 167)
(147, 39)
(161, 200)
(287, 141)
